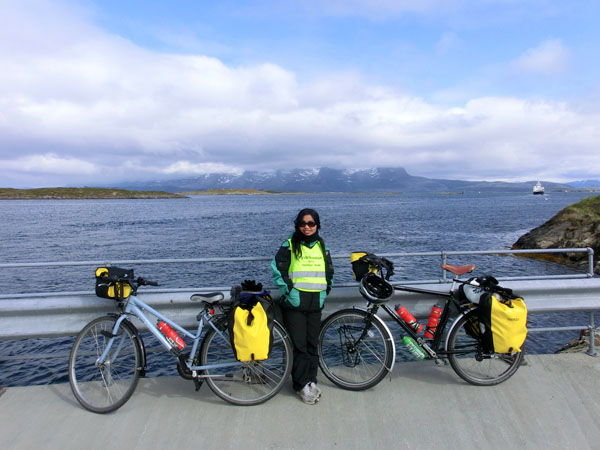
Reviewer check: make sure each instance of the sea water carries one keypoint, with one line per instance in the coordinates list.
(207, 226)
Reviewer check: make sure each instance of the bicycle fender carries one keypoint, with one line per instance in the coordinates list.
(138, 340)
(286, 334)
(391, 336)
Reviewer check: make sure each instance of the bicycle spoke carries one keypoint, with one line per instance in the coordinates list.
(246, 383)
(349, 361)
(103, 387)
(466, 356)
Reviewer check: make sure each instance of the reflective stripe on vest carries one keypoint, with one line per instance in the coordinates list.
(308, 271)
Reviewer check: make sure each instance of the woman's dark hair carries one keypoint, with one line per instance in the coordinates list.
(307, 212)
(298, 236)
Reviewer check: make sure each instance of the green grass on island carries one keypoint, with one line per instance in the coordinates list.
(59, 193)
(586, 210)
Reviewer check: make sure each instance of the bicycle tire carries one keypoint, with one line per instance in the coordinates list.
(105, 388)
(346, 365)
(247, 383)
(468, 359)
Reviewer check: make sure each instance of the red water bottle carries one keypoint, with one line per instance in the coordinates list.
(171, 335)
(409, 318)
(434, 319)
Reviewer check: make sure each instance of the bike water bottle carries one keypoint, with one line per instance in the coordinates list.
(409, 318)
(434, 319)
(171, 335)
(412, 347)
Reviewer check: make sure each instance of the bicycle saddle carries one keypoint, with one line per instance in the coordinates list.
(459, 270)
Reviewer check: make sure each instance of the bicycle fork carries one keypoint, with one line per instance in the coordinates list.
(353, 346)
(104, 361)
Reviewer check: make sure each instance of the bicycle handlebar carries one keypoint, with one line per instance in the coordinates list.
(143, 282)
(140, 281)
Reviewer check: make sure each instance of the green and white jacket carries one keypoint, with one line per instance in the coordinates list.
(292, 282)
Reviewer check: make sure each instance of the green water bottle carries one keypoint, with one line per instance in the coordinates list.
(412, 347)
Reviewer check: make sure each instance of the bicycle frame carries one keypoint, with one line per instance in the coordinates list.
(431, 347)
(136, 307)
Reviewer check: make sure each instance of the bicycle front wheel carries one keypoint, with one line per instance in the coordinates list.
(245, 383)
(104, 387)
(355, 353)
(469, 360)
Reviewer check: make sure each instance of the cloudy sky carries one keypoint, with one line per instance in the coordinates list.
(96, 91)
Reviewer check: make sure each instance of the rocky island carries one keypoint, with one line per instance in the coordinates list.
(577, 225)
(61, 193)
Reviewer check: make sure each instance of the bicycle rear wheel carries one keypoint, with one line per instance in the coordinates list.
(469, 360)
(248, 383)
(349, 363)
(102, 388)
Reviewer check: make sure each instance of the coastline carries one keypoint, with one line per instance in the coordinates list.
(89, 193)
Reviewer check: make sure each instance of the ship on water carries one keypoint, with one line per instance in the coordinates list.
(538, 189)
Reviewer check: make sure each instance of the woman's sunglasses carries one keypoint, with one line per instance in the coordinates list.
(307, 224)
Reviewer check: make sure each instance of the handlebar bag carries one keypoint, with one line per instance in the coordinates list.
(504, 322)
(360, 267)
(364, 263)
(106, 287)
(251, 326)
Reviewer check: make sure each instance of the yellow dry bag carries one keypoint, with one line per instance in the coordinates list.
(251, 322)
(505, 322)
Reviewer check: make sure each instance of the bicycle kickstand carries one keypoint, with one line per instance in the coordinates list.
(197, 382)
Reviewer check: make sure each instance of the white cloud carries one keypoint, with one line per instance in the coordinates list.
(49, 163)
(187, 168)
(549, 58)
(76, 100)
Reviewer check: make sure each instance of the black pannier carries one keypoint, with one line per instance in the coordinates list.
(106, 287)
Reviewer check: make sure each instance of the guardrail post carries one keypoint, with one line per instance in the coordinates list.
(444, 261)
(592, 350)
(590, 253)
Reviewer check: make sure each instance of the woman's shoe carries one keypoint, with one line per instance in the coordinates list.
(316, 390)
(307, 395)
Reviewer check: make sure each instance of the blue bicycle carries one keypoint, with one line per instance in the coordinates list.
(108, 356)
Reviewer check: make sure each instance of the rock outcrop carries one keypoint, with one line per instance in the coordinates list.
(582, 344)
(576, 226)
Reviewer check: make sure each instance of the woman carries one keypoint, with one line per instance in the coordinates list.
(303, 272)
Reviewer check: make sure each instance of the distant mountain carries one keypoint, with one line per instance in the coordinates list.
(333, 180)
(585, 184)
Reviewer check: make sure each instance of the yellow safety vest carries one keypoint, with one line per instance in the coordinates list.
(308, 271)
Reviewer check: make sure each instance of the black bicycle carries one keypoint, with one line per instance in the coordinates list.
(357, 349)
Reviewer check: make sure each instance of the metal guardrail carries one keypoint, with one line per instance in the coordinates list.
(442, 254)
(65, 313)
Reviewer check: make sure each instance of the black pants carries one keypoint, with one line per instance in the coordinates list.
(303, 327)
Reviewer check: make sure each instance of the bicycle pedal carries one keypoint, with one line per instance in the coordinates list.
(440, 362)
